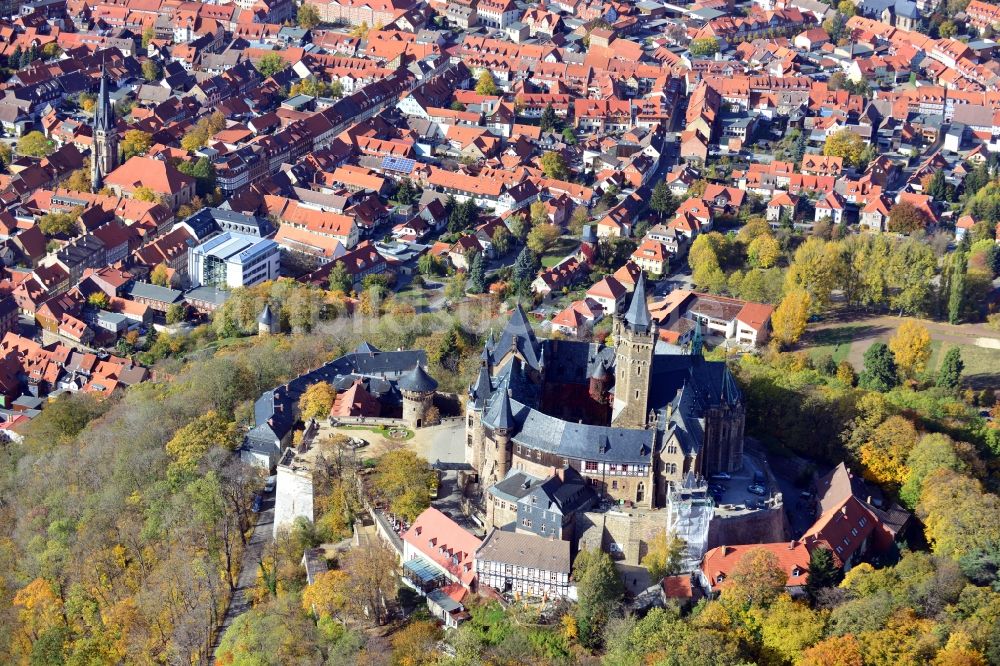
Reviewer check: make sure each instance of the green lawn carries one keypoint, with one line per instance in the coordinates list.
(833, 341)
(559, 252)
(982, 365)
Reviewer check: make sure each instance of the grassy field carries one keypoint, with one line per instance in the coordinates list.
(559, 252)
(833, 341)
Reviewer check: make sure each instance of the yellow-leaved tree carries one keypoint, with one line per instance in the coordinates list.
(911, 347)
(791, 316)
(317, 400)
(190, 444)
(885, 453)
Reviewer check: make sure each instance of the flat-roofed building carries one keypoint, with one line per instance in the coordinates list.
(234, 260)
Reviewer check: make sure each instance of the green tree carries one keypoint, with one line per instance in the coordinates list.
(60, 224)
(599, 591)
(543, 237)
(203, 171)
(148, 35)
(932, 452)
(485, 85)
(307, 16)
(502, 240)
(176, 313)
(406, 193)
(950, 374)
(271, 64)
(704, 47)
(823, 571)
(554, 165)
(151, 70)
(525, 267)
(160, 275)
(339, 280)
(880, 369)
(568, 136)
(477, 275)
(661, 200)
(548, 122)
(35, 144)
(788, 627)
(956, 293)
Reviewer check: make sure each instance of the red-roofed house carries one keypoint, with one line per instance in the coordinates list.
(173, 187)
(438, 551)
(609, 293)
(793, 557)
(749, 324)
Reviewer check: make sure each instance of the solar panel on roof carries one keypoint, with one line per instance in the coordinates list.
(402, 164)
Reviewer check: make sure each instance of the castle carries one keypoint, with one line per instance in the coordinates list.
(633, 419)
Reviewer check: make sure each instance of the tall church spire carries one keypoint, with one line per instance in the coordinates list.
(638, 317)
(104, 155)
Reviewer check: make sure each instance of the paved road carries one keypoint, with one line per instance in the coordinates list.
(260, 536)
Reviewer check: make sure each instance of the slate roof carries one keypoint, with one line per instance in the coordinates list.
(417, 380)
(638, 317)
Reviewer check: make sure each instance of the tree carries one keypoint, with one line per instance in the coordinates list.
(578, 220)
(477, 275)
(543, 237)
(51, 51)
(416, 644)
(404, 479)
(950, 374)
(176, 313)
(704, 47)
(190, 443)
(151, 70)
(789, 627)
(932, 452)
(203, 171)
(271, 64)
(661, 200)
(307, 16)
(548, 121)
(960, 520)
(764, 251)
(360, 31)
(502, 240)
(835, 26)
(60, 224)
(35, 144)
(336, 90)
(143, 193)
(880, 369)
(339, 280)
(956, 295)
(148, 35)
(406, 193)
(98, 300)
(757, 579)
(326, 595)
(524, 270)
(911, 348)
(272, 633)
(554, 165)
(848, 145)
(568, 136)
(79, 179)
(846, 374)
(885, 453)
(316, 401)
(371, 572)
(599, 591)
(816, 267)
(664, 555)
(136, 142)
(834, 651)
(160, 275)
(485, 85)
(905, 218)
(823, 571)
(790, 317)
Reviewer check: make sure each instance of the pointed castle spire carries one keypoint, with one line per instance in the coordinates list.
(697, 342)
(104, 153)
(638, 317)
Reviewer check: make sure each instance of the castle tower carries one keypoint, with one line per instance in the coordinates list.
(479, 393)
(498, 460)
(267, 323)
(418, 389)
(635, 338)
(104, 155)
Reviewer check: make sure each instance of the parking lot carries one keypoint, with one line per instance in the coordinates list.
(750, 489)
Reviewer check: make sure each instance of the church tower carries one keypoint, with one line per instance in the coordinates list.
(635, 338)
(104, 156)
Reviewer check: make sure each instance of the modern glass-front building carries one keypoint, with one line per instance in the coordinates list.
(233, 260)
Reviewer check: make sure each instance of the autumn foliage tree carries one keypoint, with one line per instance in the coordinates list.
(911, 348)
(790, 317)
(404, 480)
(316, 401)
(905, 218)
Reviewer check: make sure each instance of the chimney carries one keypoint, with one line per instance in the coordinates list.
(869, 499)
(791, 545)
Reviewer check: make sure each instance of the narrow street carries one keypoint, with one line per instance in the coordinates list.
(260, 536)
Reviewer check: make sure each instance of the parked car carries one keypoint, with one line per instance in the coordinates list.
(721, 476)
(757, 489)
(270, 483)
(759, 478)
